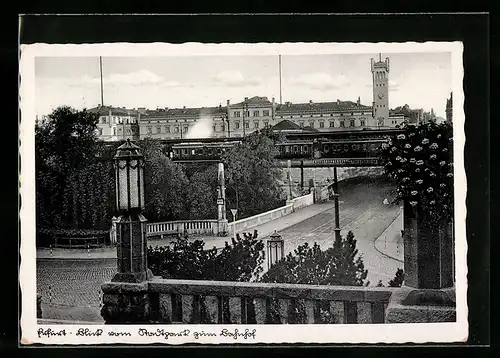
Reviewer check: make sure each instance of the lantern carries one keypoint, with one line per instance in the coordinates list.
(275, 249)
(129, 168)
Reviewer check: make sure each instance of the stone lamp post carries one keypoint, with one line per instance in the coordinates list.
(131, 225)
(126, 298)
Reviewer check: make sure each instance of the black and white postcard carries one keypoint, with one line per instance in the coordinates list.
(243, 193)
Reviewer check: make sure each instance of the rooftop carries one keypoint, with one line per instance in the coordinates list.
(320, 107)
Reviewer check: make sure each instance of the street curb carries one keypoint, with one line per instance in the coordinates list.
(380, 237)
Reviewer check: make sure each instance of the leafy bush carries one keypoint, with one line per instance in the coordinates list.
(311, 265)
(241, 260)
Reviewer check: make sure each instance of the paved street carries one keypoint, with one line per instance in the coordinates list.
(71, 287)
(361, 211)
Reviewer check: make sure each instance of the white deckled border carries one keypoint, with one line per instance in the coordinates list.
(387, 333)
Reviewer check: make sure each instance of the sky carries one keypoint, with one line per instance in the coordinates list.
(421, 80)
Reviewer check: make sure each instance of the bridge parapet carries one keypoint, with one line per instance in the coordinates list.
(219, 302)
(197, 227)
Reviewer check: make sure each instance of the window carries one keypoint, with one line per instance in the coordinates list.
(167, 129)
(186, 129)
(176, 129)
(342, 123)
(214, 128)
(237, 125)
(322, 124)
(246, 113)
(158, 129)
(114, 131)
(256, 124)
(255, 113)
(150, 130)
(332, 124)
(237, 114)
(266, 124)
(100, 131)
(222, 127)
(362, 123)
(353, 123)
(265, 113)
(103, 120)
(301, 124)
(129, 131)
(247, 125)
(311, 124)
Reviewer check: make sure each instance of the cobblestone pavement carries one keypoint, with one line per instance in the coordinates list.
(71, 289)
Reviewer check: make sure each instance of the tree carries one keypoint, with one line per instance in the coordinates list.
(201, 194)
(253, 178)
(398, 280)
(165, 185)
(64, 145)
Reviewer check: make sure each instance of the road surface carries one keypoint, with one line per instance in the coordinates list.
(363, 212)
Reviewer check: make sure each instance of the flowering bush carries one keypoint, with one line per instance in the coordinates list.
(421, 162)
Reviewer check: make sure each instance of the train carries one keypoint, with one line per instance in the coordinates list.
(189, 151)
(294, 149)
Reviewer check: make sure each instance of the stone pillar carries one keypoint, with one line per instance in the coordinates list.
(221, 203)
(126, 303)
(428, 293)
(131, 249)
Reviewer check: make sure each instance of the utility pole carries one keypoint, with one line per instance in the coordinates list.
(281, 99)
(102, 92)
(338, 239)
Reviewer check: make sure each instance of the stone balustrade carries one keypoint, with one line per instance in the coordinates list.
(211, 302)
(198, 227)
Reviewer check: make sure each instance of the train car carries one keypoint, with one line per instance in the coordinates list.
(295, 149)
(349, 148)
(200, 151)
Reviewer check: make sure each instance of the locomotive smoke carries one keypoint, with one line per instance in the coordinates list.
(201, 129)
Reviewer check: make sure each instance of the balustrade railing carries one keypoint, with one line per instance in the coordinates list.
(211, 302)
(206, 227)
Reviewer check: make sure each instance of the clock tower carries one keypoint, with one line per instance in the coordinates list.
(380, 75)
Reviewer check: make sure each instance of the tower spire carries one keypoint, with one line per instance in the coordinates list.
(379, 57)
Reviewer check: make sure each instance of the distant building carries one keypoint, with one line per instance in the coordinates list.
(117, 123)
(255, 113)
(326, 116)
(449, 109)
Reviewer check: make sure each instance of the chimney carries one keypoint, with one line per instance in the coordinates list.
(338, 101)
(359, 101)
(246, 99)
(183, 107)
(228, 105)
(310, 101)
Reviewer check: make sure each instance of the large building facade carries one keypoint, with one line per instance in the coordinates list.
(252, 114)
(117, 123)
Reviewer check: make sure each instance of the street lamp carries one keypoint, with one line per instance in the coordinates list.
(131, 225)
(275, 249)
